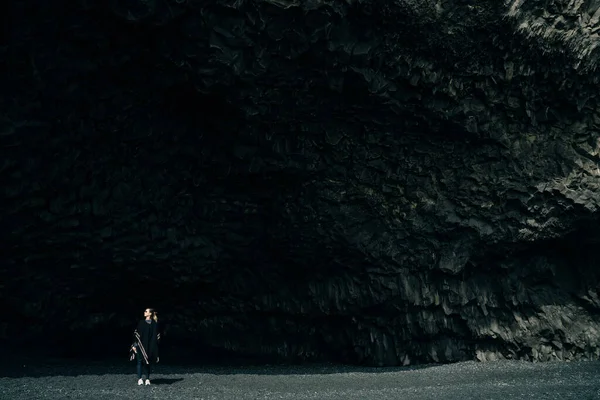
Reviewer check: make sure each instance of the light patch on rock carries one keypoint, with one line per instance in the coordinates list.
(574, 24)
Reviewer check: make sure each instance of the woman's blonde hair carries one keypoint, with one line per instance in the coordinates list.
(154, 314)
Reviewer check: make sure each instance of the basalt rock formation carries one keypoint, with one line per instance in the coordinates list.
(377, 182)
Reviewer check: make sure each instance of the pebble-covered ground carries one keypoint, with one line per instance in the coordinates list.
(65, 379)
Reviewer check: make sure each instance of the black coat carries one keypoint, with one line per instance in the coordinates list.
(146, 341)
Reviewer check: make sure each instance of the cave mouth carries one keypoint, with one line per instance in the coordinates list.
(547, 279)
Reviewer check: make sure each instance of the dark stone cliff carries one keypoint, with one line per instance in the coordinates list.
(379, 182)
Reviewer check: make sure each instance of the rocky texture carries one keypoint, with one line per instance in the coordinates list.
(360, 181)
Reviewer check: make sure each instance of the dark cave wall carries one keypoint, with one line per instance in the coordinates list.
(302, 183)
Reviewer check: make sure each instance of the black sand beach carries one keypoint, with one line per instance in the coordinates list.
(65, 379)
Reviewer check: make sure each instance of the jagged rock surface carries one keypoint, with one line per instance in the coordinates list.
(358, 181)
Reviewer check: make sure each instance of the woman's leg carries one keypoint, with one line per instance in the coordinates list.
(139, 367)
(149, 370)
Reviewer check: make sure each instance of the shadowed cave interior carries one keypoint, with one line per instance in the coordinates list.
(377, 183)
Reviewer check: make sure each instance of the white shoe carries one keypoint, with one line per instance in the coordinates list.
(140, 381)
(147, 382)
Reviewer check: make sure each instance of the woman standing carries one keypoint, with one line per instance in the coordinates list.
(145, 345)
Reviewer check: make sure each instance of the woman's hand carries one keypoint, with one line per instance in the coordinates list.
(134, 349)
